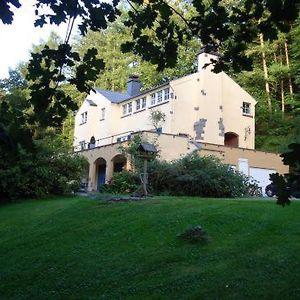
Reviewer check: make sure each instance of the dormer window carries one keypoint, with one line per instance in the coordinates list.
(159, 96)
(127, 108)
(138, 104)
(153, 98)
(246, 108)
(166, 94)
(144, 102)
(84, 117)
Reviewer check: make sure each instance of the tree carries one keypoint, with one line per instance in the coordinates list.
(158, 29)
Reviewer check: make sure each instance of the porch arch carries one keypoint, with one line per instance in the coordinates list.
(100, 164)
(119, 163)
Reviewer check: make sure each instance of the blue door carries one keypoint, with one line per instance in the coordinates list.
(101, 176)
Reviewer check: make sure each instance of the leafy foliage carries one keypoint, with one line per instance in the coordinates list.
(285, 184)
(195, 176)
(43, 171)
(122, 182)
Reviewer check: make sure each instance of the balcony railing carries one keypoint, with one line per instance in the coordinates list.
(113, 139)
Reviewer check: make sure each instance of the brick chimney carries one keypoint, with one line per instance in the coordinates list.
(133, 85)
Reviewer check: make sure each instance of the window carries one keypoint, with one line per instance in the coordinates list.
(102, 113)
(246, 108)
(159, 96)
(138, 104)
(166, 94)
(153, 99)
(84, 117)
(127, 108)
(144, 102)
(129, 105)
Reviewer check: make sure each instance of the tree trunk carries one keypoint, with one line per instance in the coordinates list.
(282, 88)
(265, 69)
(288, 64)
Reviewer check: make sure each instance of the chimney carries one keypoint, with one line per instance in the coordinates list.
(205, 60)
(133, 85)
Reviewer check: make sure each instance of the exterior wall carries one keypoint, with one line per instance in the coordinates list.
(95, 126)
(256, 159)
(172, 147)
(205, 106)
(233, 118)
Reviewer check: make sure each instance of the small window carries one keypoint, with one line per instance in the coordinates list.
(144, 102)
(166, 94)
(246, 108)
(159, 96)
(125, 109)
(129, 107)
(138, 104)
(153, 99)
(84, 117)
(102, 113)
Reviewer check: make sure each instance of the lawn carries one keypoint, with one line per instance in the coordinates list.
(78, 248)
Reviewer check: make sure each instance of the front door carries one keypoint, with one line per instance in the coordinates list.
(101, 176)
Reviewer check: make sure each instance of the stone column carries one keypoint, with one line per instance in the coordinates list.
(92, 177)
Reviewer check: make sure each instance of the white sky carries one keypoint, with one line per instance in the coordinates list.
(17, 39)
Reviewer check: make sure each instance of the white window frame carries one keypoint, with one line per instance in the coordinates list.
(153, 98)
(246, 108)
(143, 102)
(138, 104)
(166, 94)
(129, 107)
(84, 117)
(159, 96)
(124, 109)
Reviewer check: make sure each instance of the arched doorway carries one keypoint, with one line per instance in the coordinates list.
(100, 171)
(119, 163)
(231, 139)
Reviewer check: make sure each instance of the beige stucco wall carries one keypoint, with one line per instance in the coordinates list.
(214, 98)
(256, 159)
(172, 147)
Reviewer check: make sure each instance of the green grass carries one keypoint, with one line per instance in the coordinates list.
(76, 248)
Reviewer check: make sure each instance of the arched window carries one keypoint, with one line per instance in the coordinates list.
(231, 139)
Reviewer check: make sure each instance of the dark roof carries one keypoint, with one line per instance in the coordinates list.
(147, 147)
(117, 97)
(91, 102)
(114, 97)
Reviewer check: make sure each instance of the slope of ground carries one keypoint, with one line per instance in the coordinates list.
(75, 248)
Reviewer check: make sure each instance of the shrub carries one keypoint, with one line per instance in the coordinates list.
(195, 176)
(122, 182)
(42, 172)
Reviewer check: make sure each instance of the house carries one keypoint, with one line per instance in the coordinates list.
(205, 112)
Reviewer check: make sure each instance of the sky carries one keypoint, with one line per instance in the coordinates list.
(17, 39)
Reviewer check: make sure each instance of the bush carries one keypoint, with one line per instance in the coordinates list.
(44, 171)
(122, 182)
(195, 176)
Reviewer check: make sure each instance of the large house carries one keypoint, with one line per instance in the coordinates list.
(205, 112)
